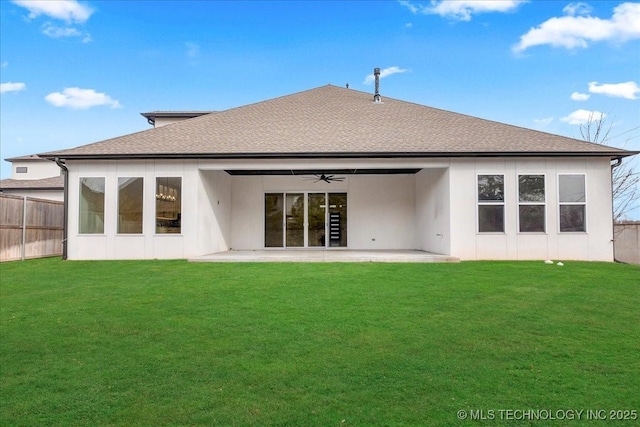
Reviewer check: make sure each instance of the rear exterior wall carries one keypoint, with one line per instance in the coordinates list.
(435, 210)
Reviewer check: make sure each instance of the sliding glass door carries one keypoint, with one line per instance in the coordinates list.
(273, 219)
(317, 219)
(295, 220)
(305, 220)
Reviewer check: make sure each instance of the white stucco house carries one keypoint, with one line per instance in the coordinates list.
(33, 176)
(335, 168)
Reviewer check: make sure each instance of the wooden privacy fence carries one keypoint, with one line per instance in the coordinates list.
(30, 228)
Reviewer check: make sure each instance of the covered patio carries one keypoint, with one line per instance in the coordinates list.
(319, 255)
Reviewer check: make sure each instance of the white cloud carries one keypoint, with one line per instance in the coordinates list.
(627, 90)
(581, 117)
(412, 8)
(76, 98)
(577, 28)
(462, 10)
(12, 87)
(577, 96)
(543, 122)
(56, 32)
(577, 9)
(384, 73)
(65, 10)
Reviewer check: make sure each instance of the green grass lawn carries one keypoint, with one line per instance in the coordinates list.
(176, 343)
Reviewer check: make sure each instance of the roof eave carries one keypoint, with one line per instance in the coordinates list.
(617, 154)
(175, 114)
(32, 188)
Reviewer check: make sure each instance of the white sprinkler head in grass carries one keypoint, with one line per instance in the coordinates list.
(548, 261)
(560, 264)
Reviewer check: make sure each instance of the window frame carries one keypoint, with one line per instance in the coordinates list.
(583, 203)
(491, 203)
(543, 203)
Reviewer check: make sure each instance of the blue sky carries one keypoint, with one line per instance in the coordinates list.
(74, 73)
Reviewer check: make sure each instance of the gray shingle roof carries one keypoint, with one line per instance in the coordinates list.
(54, 183)
(332, 121)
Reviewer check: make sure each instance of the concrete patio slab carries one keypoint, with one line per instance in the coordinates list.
(319, 255)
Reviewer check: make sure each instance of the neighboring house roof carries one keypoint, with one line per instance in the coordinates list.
(53, 183)
(33, 157)
(330, 121)
(170, 114)
(152, 115)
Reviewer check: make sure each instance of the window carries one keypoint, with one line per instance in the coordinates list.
(531, 204)
(130, 205)
(91, 206)
(572, 200)
(21, 169)
(491, 203)
(168, 205)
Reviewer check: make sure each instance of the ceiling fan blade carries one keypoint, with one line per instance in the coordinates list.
(317, 177)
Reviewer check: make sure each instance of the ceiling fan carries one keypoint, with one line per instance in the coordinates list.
(326, 178)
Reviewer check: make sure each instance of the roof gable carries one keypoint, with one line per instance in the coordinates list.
(333, 121)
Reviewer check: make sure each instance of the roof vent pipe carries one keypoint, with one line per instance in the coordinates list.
(376, 96)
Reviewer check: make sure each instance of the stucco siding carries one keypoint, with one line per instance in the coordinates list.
(462, 193)
(433, 210)
(382, 212)
(214, 212)
(35, 169)
(79, 246)
(594, 244)
(247, 205)
(148, 245)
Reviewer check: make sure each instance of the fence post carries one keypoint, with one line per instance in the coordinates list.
(24, 228)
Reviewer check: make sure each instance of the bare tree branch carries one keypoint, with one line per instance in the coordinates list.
(625, 179)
